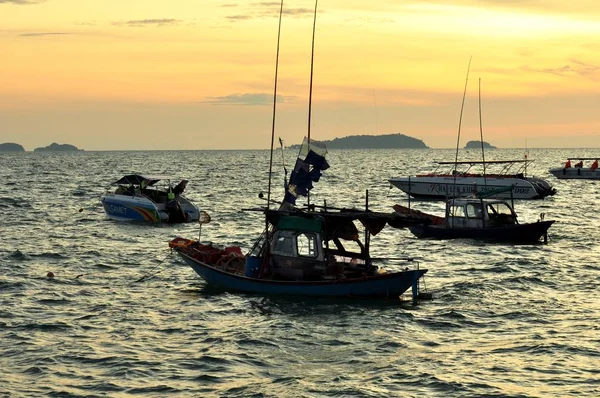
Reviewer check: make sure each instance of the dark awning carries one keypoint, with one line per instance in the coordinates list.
(136, 179)
(341, 222)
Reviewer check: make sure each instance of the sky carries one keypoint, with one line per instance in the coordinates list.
(189, 74)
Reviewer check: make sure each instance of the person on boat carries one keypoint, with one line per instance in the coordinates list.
(140, 189)
(568, 164)
(579, 164)
(594, 165)
(179, 188)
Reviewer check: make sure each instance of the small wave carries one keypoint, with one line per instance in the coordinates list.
(12, 202)
(49, 255)
(18, 255)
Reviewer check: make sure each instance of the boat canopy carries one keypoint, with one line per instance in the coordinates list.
(337, 223)
(137, 179)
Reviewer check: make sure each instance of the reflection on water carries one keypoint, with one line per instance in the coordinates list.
(124, 317)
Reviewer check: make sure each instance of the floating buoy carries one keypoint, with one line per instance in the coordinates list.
(50, 274)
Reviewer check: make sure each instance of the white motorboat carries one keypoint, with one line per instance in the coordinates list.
(577, 171)
(151, 199)
(454, 183)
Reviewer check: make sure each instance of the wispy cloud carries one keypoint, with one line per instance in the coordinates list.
(21, 2)
(267, 10)
(37, 34)
(576, 68)
(248, 99)
(140, 23)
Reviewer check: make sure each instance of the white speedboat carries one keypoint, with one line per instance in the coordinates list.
(454, 183)
(577, 171)
(152, 199)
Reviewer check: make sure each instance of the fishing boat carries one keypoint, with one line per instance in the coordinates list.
(154, 199)
(446, 181)
(306, 251)
(477, 218)
(311, 251)
(578, 171)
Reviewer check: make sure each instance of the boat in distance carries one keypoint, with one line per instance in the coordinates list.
(454, 183)
(154, 199)
(480, 219)
(577, 171)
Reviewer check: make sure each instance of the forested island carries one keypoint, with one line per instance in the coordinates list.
(11, 147)
(477, 145)
(54, 147)
(387, 141)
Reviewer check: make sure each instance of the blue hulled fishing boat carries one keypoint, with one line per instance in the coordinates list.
(314, 251)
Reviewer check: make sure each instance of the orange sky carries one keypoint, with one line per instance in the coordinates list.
(186, 74)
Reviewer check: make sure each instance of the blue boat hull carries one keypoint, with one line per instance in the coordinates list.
(390, 285)
(518, 233)
(128, 210)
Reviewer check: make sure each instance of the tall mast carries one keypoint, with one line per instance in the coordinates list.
(312, 63)
(274, 108)
(481, 135)
(460, 124)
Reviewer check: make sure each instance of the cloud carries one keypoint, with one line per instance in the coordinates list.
(21, 2)
(577, 68)
(269, 10)
(149, 22)
(37, 34)
(248, 99)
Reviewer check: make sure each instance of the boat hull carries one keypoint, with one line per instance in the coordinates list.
(130, 208)
(517, 233)
(443, 187)
(576, 173)
(390, 285)
(140, 208)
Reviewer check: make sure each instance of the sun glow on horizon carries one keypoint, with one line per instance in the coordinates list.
(411, 57)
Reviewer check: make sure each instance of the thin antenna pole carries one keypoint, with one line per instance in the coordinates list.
(312, 63)
(481, 135)
(274, 108)
(460, 124)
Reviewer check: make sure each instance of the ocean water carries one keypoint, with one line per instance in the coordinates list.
(125, 317)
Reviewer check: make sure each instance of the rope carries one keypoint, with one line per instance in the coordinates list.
(151, 273)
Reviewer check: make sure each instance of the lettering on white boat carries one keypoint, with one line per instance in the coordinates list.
(116, 209)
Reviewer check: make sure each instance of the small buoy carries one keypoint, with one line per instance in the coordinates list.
(50, 274)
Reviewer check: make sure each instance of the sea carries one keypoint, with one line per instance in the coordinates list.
(123, 316)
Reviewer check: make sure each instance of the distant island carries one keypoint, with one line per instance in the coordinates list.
(11, 147)
(54, 147)
(387, 141)
(477, 145)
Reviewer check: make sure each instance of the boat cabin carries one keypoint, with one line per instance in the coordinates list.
(300, 249)
(479, 213)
